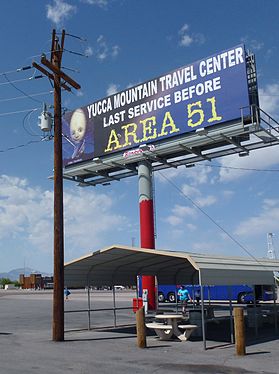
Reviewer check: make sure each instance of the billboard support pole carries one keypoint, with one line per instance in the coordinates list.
(147, 236)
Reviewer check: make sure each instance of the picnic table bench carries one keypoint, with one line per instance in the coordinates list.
(171, 328)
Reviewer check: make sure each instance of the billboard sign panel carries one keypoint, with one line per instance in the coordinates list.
(208, 92)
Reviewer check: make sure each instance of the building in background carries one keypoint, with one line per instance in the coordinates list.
(35, 281)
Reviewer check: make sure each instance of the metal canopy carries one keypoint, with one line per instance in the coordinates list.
(238, 137)
(121, 265)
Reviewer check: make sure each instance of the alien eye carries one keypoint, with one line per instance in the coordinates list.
(80, 129)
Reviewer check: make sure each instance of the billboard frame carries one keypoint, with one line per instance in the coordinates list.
(204, 145)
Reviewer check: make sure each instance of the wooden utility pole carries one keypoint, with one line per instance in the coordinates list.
(58, 272)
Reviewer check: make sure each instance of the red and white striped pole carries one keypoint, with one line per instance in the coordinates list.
(147, 231)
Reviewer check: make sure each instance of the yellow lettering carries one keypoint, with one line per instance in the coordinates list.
(214, 117)
(148, 131)
(192, 112)
(113, 139)
(130, 133)
(168, 122)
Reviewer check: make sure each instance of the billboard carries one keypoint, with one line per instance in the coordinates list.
(208, 92)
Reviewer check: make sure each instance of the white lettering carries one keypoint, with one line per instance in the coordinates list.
(222, 61)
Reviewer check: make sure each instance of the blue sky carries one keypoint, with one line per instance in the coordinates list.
(129, 42)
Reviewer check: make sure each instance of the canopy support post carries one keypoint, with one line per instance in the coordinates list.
(114, 304)
(255, 311)
(231, 314)
(202, 312)
(88, 303)
(275, 308)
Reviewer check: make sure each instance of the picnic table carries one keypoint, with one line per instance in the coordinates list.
(172, 325)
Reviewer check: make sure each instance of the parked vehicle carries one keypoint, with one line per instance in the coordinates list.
(239, 293)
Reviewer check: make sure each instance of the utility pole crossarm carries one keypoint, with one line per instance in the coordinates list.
(49, 75)
(60, 73)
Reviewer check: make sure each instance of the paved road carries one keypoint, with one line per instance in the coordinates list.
(26, 345)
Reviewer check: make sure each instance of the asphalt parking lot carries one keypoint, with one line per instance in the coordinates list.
(26, 345)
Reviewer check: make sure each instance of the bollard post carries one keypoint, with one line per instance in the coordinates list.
(239, 330)
(141, 333)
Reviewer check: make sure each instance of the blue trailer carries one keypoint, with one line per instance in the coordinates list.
(239, 293)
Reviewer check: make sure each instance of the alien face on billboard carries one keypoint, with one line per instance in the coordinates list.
(78, 126)
(77, 132)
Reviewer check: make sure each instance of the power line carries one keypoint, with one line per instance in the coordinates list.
(22, 80)
(40, 55)
(237, 168)
(20, 145)
(23, 92)
(27, 116)
(18, 111)
(75, 53)
(23, 68)
(76, 37)
(70, 69)
(210, 218)
(24, 97)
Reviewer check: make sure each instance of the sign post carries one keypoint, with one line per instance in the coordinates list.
(147, 236)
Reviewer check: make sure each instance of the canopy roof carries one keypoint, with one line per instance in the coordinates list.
(121, 265)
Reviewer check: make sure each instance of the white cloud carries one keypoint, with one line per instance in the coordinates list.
(205, 247)
(259, 225)
(186, 38)
(260, 159)
(197, 196)
(179, 214)
(89, 218)
(190, 190)
(253, 44)
(269, 203)
(197, 175)
(206, 201)
(129, 85)
(183, 211)
(228, 193)
(173, 220)
(88, 51)
(164, 176)
(112, 89)
(191, 227)
(60, 11)
(27, 213)
(79, 93)
(99, 3)
(269, 99)
(115, 50)
(103, 50)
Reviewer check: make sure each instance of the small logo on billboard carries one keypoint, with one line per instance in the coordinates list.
(138, 151)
